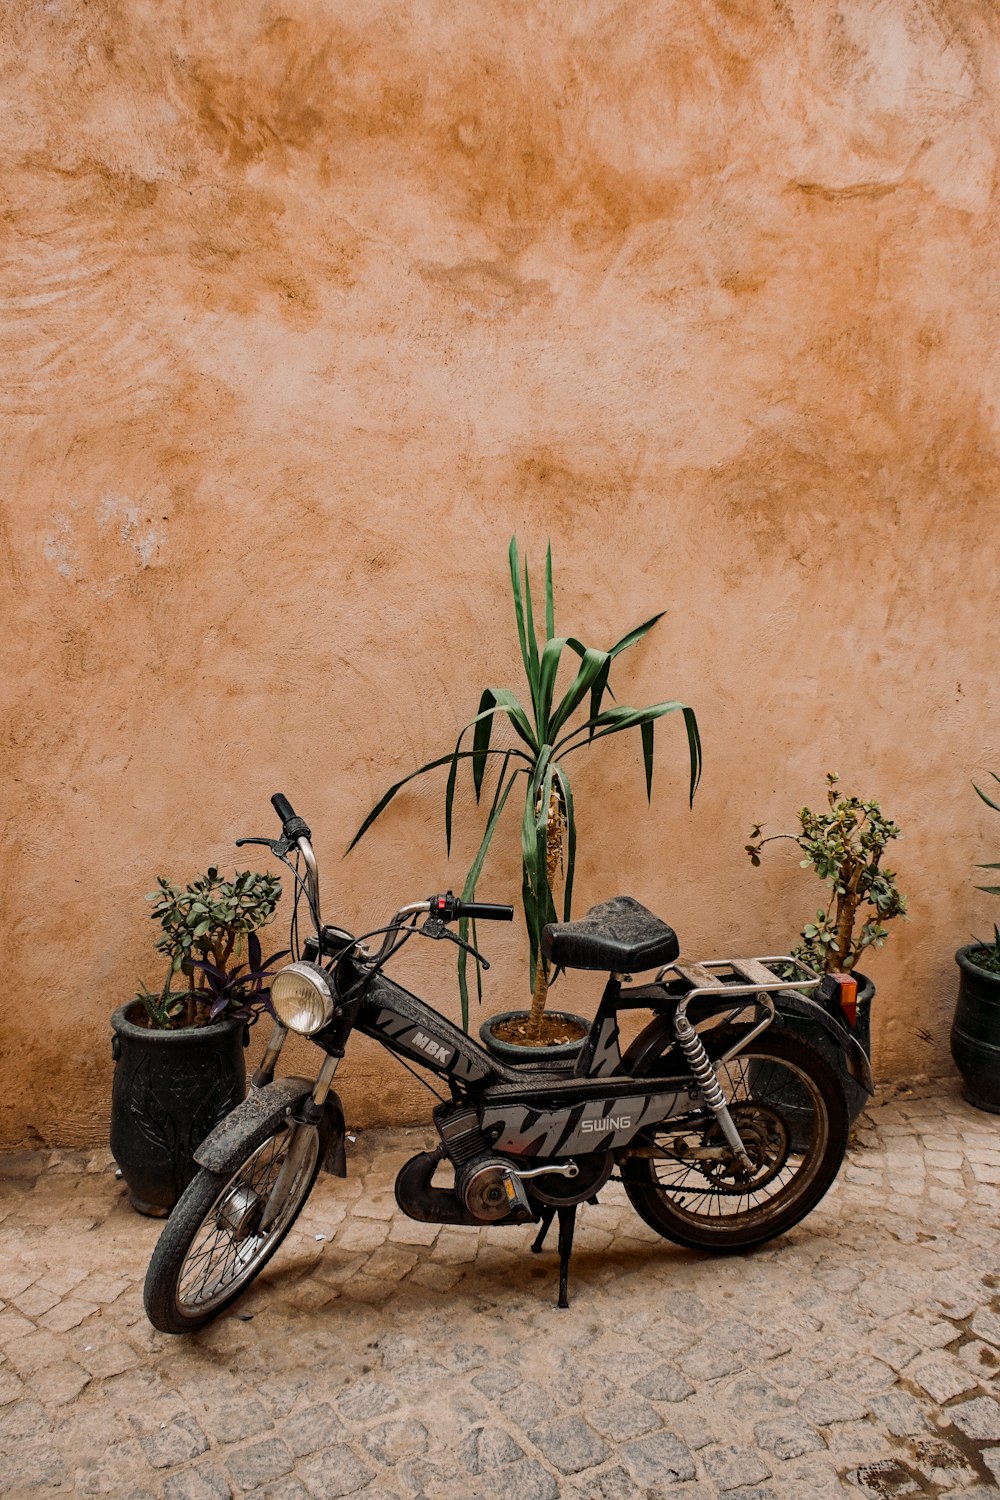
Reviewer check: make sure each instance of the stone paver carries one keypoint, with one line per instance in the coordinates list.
(570, 1445)
(387, 1360)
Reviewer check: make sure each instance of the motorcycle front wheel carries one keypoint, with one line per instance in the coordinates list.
(790, 1109)
(215, 1242)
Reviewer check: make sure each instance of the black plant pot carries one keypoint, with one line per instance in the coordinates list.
(975, 1033)
(794, 1099)
(170, 1089)
(523, 1052)
(813, 1032)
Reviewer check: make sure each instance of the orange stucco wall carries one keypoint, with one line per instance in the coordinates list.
(307, 308)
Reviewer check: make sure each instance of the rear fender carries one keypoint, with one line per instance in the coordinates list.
(640, 1060)
(250, 1123)
(654, 1039)
(855, 1058)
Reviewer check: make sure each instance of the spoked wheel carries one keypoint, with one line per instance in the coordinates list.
(789, 1107)
(224, 1229)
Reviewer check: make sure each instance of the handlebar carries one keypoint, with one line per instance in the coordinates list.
(444, 908)
(296, 833)
(292, 826)
(486, 911)
(282, 806)
(449, 908)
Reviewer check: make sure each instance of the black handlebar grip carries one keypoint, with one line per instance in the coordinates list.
(283, 807)
(293, 827)
(486, 911)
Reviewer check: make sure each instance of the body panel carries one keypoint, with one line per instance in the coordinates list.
(597, 1124)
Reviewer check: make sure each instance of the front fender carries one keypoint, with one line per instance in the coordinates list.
(250, 1123)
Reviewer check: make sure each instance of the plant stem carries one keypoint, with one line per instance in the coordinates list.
(538, 999)
(845, 923)
(553, 852)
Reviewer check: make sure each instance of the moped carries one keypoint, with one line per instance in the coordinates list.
(723, 1124)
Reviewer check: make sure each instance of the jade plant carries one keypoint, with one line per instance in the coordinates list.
(844, 844)
(546, 736)
(205, 927)
(987, 955)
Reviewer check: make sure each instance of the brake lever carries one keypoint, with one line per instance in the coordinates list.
(435, 928)
(278, 847)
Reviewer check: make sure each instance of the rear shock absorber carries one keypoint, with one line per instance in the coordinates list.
(700, 1064)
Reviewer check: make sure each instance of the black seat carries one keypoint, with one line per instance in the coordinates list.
(620, 936)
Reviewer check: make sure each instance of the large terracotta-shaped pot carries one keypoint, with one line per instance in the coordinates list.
(171, 1088)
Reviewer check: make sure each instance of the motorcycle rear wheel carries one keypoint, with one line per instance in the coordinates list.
(791, 1109)
(211, 1248)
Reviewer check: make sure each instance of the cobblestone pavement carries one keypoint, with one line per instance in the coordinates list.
(381, 1358)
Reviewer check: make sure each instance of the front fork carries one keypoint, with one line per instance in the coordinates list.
(304, 1123)
(265, 1073)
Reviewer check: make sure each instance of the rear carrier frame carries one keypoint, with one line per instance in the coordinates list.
(738, 976)
(748, 981)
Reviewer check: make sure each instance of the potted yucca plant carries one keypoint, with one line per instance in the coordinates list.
(975, 1032)
(179, 1051)
(548, 728)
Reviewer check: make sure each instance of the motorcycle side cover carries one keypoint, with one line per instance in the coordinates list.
(250, 1124)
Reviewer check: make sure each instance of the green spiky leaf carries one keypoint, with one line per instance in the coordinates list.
(646, 729)
(988, 800)
(475, 870)
(431, 765)
(570, 856)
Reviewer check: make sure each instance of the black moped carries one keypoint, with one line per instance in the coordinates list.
(724, 1125)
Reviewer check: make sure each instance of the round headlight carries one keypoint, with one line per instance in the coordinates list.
(302, 998)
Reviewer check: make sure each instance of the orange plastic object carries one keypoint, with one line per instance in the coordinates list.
(848, 997)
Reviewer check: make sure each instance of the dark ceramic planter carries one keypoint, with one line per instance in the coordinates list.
(813, 1032)
(170, 1090)
(795, 1101)
(515, 1053)
(975, 1033)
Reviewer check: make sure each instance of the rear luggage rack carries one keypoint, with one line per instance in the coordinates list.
(740, 976)
(747, 981)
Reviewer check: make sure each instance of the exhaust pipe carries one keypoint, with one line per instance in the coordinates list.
(430, 1205)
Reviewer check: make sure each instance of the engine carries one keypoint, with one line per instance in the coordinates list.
(486, 1185)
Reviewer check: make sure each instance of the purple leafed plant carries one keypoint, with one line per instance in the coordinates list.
(241, 992)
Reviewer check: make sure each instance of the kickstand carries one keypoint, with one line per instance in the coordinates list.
(567, 1223)
(548, 1214)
